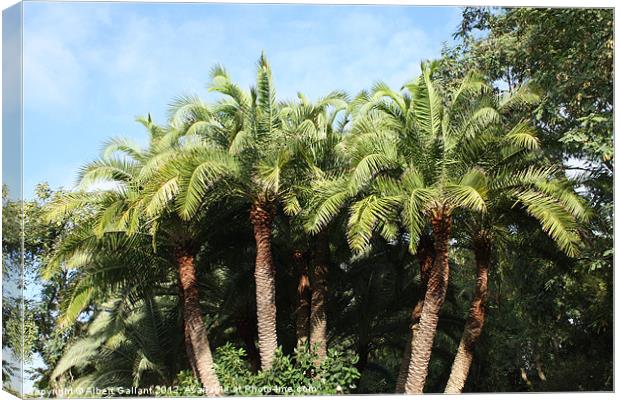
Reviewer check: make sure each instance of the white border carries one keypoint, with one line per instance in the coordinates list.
(504, 3)
(450, 3)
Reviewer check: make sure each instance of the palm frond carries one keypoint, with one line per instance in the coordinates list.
(470, 192)
(111, 170)
(427, 104)
(199, 171)
(557, 222)
(122, 145)
(328, 199)
(523, 136)
(365, 215)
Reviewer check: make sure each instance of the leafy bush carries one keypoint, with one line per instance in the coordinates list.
(290, 375)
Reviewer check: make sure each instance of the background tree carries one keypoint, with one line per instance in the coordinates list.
(317, 133)
(567, 53)
(122, 211)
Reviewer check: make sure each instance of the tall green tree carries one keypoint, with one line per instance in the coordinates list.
(248, 151)
(568, 54)
(518, 186)
(317, 132)
(129, 208)
(431, 165)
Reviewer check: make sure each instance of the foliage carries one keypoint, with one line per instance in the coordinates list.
(290, 375)
(568, 55)
(128, 344)
(21, 331)
(29, 316)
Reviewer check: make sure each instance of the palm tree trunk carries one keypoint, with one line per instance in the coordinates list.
(261, 216)
(189, 350)
(194, 325)
(425, 253)
(191, 357)
(422, 342)
(475, 320)
(302, 313)
(318, 287)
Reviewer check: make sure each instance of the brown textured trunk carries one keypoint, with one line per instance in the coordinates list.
(261, 216)
(194, 325)
(422, 343)
(426, 255)
(475, 320)
(302, 313)
(189, 351)
(318, 287)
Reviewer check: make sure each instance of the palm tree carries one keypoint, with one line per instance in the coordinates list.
(130, 342)
(111, 271)
(485, 233)
(420, 157)
(426, 256)
(133, 207)
(539, 192)
(316, 133)
(243, 146)
(411, 155)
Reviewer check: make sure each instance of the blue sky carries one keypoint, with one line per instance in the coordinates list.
(91, 68)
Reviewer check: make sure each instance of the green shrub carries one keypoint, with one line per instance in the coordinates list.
(290, 375)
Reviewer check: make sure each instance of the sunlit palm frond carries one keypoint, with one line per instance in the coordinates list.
(555, 220)
(365, 215)
(470, 192)
(110, 170)
(122, 145)
(328, 199)
(523, 136)
(427, 104)
(199, 171)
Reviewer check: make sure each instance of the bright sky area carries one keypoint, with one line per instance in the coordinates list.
(91, 68)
